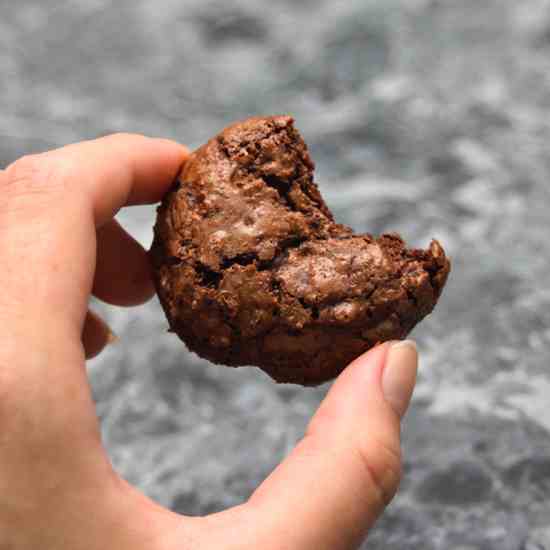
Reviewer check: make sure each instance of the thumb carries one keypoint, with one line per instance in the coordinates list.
(340, 477)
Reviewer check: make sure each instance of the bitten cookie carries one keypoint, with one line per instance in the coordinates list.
(251, 268)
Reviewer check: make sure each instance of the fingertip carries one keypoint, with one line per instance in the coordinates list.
(170, 158)
(123, 273)
(364, 370)
(372, 359)
(175, 147)
(176, 154)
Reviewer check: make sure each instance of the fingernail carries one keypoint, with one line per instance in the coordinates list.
(399, 376)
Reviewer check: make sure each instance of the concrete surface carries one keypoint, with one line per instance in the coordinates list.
(427, 117)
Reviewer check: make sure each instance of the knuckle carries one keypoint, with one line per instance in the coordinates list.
(25, 168)
(39, 174)
(382, 463)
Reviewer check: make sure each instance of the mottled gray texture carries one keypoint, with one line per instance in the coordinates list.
(427, 117)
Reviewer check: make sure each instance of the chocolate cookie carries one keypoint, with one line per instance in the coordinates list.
(252, 269)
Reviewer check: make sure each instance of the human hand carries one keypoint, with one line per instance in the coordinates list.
(59, 243)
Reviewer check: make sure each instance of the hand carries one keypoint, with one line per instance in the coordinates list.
(58, 489)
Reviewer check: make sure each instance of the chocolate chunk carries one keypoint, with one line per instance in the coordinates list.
(252, 269)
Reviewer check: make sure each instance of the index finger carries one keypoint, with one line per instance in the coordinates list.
(122, 170)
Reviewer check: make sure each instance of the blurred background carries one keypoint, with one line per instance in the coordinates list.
(427, 117)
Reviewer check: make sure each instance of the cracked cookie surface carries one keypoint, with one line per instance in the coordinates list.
(251, 268)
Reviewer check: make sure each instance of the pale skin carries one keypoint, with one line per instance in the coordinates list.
(59, 244)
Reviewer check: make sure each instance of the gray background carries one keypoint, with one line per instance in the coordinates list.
(426, 117)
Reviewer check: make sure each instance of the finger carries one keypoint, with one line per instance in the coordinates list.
(96, 335)
(123, 169)
(123, 272)
(336, 482)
